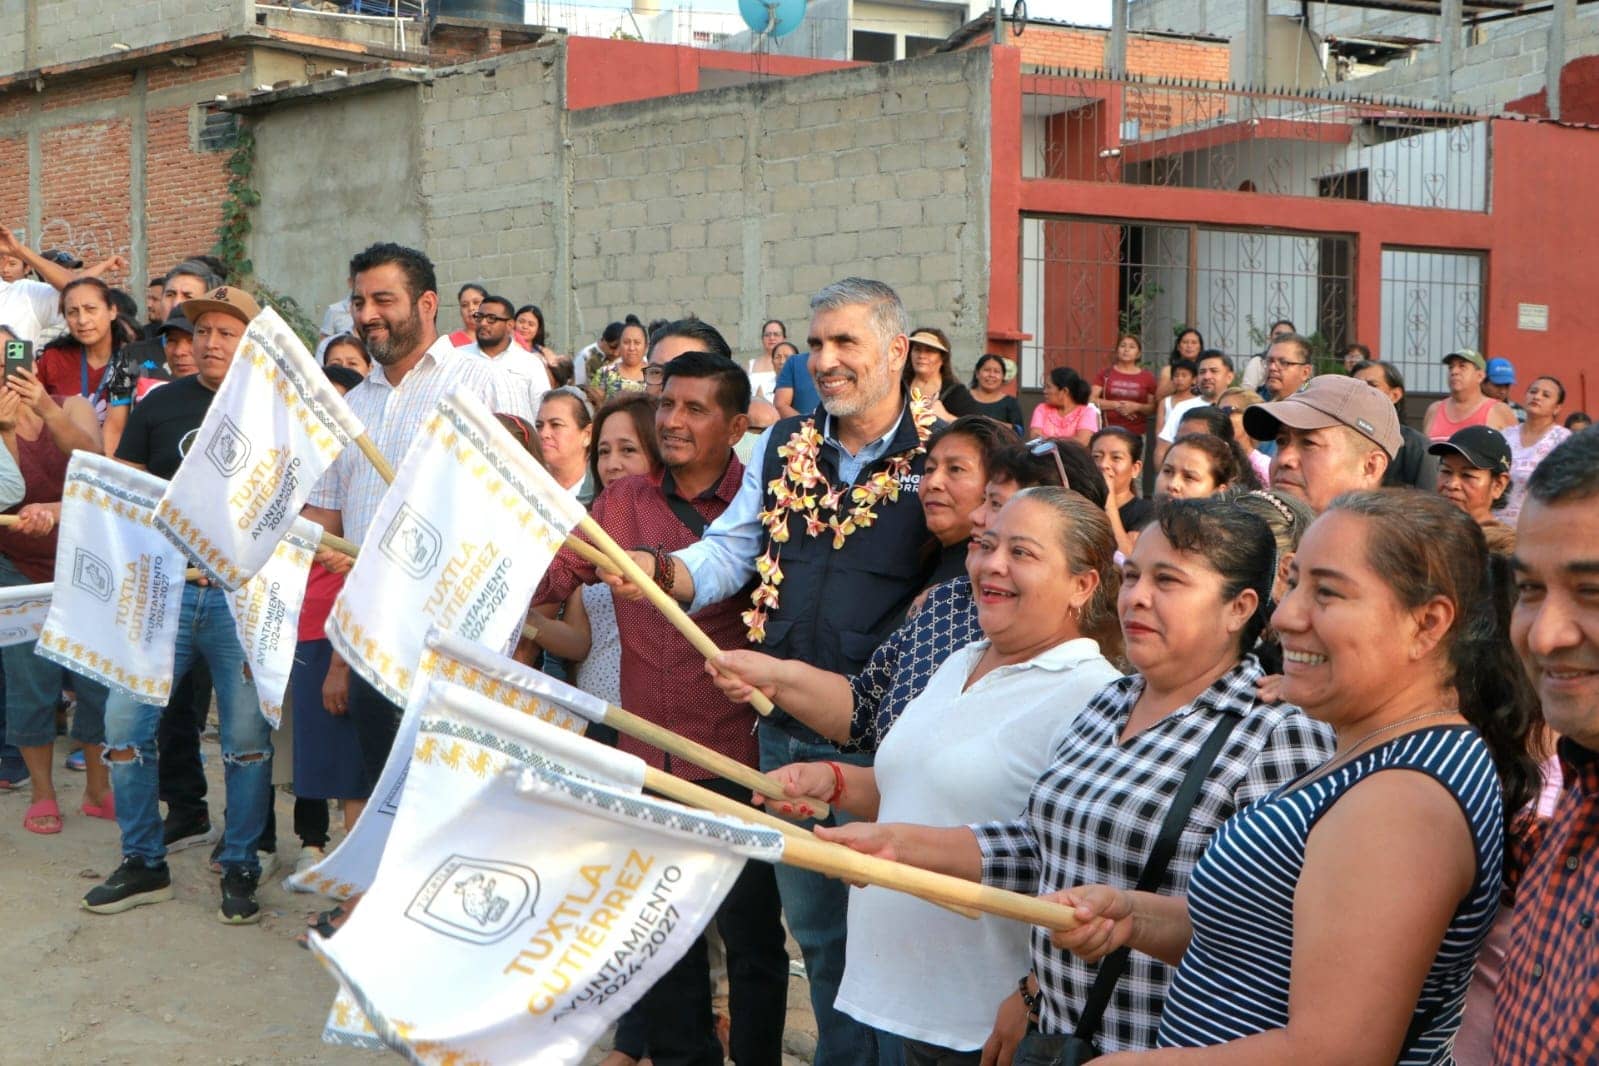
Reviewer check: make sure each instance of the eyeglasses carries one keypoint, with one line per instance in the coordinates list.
(1044, 445)
(1280, 363)
(484, 316)
(655, 374)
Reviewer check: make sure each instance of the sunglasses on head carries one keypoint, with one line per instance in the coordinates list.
(1045, 446)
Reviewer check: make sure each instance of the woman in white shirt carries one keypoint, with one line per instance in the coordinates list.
(970, 747)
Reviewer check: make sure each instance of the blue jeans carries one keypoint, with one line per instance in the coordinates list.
(205, 631)
(34, 690)
(816, 908)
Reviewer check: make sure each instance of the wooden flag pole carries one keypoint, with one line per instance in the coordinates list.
(376, 458)
(687, 792)
(661, 599)
(820, 857)
(721, 765)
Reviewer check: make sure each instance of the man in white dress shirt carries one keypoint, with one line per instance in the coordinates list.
(395, 303)
(494, 317)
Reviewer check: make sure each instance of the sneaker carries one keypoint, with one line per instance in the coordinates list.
(267, 859)
(186, 831)
(132, 885)
(310, 855)
(238, 898)
(75, 762)
(13, 773)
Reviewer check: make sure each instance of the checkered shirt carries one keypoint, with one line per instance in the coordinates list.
(1548, 996)
(1095, 813)
(393, 417)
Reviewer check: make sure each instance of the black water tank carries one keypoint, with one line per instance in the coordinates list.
(485, 10)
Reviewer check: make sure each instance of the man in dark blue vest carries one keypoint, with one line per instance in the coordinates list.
(828, 525)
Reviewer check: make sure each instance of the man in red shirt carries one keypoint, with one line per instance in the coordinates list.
(703, 411)
(1547, 1004)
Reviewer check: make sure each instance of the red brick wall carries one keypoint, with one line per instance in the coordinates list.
(219, 65)
(14, 182)
(85, 190)
(108, 87)
(1150, 57)
(183, 191)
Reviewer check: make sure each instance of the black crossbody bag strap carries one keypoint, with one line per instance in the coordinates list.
(1160, 856)
(692, 520)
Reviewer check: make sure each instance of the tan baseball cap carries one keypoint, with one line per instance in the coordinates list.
(230, 300)
(1330, 400)
(928, 340)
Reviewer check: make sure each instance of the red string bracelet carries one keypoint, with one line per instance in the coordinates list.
(838, 783)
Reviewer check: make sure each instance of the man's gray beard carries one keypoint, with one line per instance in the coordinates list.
(861, 402)
(398, 346)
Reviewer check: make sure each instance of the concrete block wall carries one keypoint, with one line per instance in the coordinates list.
(490, 177)
(738, 204)
(66, 31)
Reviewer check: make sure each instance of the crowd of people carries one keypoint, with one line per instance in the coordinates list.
(995, 655)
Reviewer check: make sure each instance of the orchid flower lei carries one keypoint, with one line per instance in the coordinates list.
(827, 508)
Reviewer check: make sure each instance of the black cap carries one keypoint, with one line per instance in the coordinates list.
(1482, 446)
(63, 259)
(177, 320)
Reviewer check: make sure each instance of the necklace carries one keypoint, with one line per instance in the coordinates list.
(1357, 745)
(804, 491)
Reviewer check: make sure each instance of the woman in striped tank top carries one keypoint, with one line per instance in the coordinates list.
(1338, 919)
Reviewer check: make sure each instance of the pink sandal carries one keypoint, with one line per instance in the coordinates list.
(106, 810)
(43, 818)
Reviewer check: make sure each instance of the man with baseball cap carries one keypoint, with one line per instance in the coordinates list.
(1474, 475)
(1466, 404)
(1334, 436)
(1499, 376)
(159, 433)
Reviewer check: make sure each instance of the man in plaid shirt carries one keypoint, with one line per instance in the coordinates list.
(1548, 996)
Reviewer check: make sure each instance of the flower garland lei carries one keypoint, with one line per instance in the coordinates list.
(803, 489)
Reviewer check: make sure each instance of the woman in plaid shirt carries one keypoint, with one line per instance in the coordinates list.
(1195, 596)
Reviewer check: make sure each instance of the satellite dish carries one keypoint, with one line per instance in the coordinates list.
(777, 18)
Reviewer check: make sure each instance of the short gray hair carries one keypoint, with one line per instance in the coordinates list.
(195, 268)
(888, 316)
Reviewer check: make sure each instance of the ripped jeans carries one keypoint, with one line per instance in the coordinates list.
(205, 631)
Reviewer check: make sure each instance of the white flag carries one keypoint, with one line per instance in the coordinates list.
(460, 541)
(499, 737)
(534, 917)
(275, 425)
(22, 612)
(119, 582)
(266, 614)
(351, 866)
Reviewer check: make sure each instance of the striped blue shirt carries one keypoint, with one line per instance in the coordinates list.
(1233, 981)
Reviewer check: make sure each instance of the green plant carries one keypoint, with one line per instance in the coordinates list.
(1322, 356)
(1138, 305)
(233, 238)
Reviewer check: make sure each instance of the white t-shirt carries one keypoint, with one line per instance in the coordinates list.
(1174, 415)
(520, 365)
(32, 309)
(954, 758)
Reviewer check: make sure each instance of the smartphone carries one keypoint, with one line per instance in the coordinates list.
(19, 356)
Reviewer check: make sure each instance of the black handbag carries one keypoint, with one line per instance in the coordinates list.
(1069, 1049)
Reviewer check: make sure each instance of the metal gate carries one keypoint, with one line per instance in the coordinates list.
(1084, 280)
